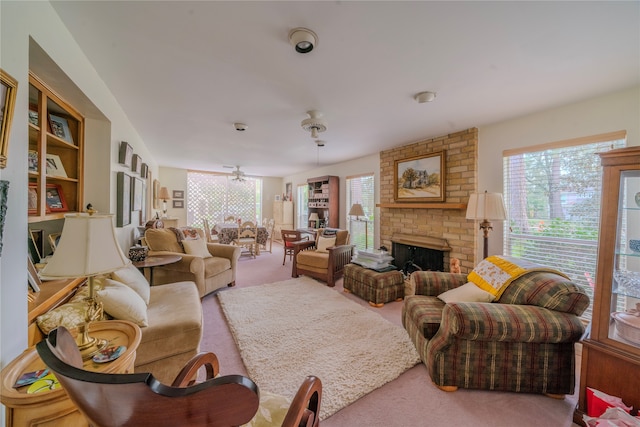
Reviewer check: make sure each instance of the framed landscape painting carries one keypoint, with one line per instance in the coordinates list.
(420, 178)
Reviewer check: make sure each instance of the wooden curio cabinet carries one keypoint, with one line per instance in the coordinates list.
(56, 154)
(324, 201)
(611, 351)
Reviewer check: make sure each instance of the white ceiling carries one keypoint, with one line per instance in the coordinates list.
(184, 72)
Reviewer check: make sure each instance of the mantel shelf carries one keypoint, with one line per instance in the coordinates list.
(422, 205)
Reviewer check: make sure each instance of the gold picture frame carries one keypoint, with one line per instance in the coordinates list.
(8, 91)
(420, 178)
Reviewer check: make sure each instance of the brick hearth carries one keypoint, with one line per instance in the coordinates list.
(461, 181)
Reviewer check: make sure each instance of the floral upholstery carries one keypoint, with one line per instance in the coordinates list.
(523, 342)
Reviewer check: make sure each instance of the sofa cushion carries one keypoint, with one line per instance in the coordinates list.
(133, 278)
(342, 236)
(162, 239)
(312, 259)
(468, 292)
(548, 290)
(189, 233)
(216, 265)
(175, 322)
(196, 247)
(122, 303)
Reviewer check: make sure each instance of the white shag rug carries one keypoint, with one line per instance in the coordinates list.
(288, 330)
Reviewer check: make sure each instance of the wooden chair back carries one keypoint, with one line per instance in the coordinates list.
(248, 237)
(141, 400)
(288, 237)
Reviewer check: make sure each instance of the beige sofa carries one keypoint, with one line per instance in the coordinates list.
(169, 316)
(209, 273)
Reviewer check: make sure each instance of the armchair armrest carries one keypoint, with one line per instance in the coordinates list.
(303, 245)
(188, 263)
(508, 323)
(230, 252)
(433, 283)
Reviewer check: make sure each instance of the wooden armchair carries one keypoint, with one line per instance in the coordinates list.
(315, 259)
(141, 400)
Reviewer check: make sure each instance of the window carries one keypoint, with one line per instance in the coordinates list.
(552, 196)
(216, 196)
(360, 189)
(301, 206)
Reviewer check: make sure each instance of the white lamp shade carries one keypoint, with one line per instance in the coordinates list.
(489, 206)
(87, 247)
(356, 210)
(313, 216)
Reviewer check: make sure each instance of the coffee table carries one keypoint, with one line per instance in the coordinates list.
(155, 261)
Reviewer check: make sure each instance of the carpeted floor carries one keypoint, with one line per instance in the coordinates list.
(411, 399)
(298, 327)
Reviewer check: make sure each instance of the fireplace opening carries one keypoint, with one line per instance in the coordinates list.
(415, 253)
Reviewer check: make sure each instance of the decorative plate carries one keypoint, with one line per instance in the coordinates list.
(109, 354)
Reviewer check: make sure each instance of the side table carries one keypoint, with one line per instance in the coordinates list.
(155, 261)
(53, 408)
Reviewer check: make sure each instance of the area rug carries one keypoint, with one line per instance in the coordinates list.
(288, 330)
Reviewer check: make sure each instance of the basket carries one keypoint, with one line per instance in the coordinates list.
(628, 325)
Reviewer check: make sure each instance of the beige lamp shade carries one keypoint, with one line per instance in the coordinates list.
(313, 216)
(356, 210)
(163, 194)
(489, 206)
(88, 246)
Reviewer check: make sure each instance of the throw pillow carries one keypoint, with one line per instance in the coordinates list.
(189, 233)
(324, 243)
(468, 292)
(133, 278)
(197, 248)
(69, 315)
(271, 412)
(122, 303)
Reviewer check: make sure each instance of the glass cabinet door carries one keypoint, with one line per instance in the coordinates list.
(625, 296)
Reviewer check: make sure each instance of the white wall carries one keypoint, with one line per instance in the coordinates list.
(360, 166)
(18, 22)
(608, 113)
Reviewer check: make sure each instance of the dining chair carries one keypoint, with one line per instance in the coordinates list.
(140, 400)
(288, 237)
(248, 238)
(269, 224)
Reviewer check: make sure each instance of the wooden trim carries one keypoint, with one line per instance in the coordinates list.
(359, 175)
(603, 137)
(422, 205)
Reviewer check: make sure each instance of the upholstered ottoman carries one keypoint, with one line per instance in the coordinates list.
(377, 288)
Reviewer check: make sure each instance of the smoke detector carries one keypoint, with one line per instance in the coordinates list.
(320, 143)
(314, 124)
(303, 39)
(423, 97)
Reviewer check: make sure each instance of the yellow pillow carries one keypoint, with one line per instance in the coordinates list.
(324, 243)
(197, 248)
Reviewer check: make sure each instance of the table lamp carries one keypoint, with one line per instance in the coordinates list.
(88, 247)
(486, 207)
(357, 211)
(314, 217)
(164, 196)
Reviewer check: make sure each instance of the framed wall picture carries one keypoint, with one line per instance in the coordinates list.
(144, 170)
(178, 194)
(55, 199)
(34, 279)
(420, 178)
(55, 166)
(60, 127)
(8, 91)
(125, 154)
(123, 209)
(137, 193)
(156, 192)
(54, 239)
(36, 245)
(178, 204)
(136, 163)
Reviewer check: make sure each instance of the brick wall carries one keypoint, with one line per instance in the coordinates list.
(461, 180)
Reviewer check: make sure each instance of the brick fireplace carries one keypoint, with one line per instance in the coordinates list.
(447, 221)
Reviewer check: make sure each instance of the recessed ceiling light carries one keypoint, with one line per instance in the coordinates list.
(303, 39)
(423, 97)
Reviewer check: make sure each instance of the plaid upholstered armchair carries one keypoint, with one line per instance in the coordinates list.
(522, 342)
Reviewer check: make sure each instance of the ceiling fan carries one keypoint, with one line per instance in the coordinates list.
(238, 174)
